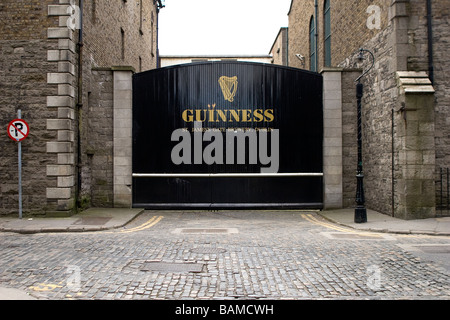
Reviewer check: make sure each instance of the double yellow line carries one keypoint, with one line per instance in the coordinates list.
(311, 218)
(150, 223)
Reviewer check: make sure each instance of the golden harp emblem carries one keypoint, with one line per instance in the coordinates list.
(229, 87)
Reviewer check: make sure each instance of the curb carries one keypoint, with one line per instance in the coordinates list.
(384, 230)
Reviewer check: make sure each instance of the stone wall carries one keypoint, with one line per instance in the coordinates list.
(23, 85)
(441, 39)
(399, 43)
(104, 22)
(70, 124)
(349, 28)
(97, 136)
(25, 19)
(279, 48)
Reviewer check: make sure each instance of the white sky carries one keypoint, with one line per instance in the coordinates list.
(221, 27)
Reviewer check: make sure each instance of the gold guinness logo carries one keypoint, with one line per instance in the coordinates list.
(229, 87)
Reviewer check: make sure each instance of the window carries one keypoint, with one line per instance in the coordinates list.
(152, 21)
(122, 42)
(312, 45)
(94, 11)
(327, 33)
(141, 17)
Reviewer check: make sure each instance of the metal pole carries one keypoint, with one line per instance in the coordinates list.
(360, 211)
(448, 185)
(19, 116)
(441, 191)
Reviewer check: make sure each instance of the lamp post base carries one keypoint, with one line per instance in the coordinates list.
(360, 215)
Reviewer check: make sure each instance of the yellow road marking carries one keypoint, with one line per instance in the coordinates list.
(45, 287)
(311, 218)
(150, 223)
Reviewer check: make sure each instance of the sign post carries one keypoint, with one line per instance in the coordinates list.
(18, 130)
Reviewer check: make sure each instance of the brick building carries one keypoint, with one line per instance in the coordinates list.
(67, 65)
(172, 60)
(406, 112)
(279, 48)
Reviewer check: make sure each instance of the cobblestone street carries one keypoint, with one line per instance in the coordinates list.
(227, 255)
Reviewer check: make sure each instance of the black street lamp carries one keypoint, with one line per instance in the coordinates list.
(360, 210)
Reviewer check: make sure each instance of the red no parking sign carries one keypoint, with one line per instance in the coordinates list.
(18, 130)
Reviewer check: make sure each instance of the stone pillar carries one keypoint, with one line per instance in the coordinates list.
(398, 15)
(64, 103)
(332, 156)
(122, 137)
(414, 136)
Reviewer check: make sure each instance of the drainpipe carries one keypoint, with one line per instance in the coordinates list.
(79, 103)
(287, 47)
(430, 41)
(159, 5)
(316, 9)
(393, 161)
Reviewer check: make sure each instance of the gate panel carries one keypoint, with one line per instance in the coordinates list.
(225, 96)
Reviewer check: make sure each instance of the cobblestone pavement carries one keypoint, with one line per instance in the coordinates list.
(227, 255)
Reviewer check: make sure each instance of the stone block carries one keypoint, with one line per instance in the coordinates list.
(60, 101)
(66, 67)
(66, 159)
(60, 78)
(58, 10)
(66, 90)
(59, 33)
(59, 147)
(66, 182)
(66, 136)
(53, 55)
(66, 44)
(59, 124)
(122, 161)
(122, 200)
(66, 113)
(60, 170)
(122, 170)
(59, 193)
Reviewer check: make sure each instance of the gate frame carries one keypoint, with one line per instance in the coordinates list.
(332, 155)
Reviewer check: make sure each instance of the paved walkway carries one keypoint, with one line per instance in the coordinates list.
(377, 222)
(94, 219)
(101, 219)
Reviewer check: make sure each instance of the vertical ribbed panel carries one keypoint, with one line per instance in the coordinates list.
(286, 99)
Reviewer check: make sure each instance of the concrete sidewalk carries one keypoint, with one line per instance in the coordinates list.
(100, 219)
(14, 294)
(377, 222)
(94, 219)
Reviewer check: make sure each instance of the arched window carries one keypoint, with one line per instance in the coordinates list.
(327, 32)
(312, 45)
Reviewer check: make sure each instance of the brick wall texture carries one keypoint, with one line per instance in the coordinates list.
(399, 43)
(39, 74)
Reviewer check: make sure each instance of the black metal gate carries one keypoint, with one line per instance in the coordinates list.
(227, 135)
